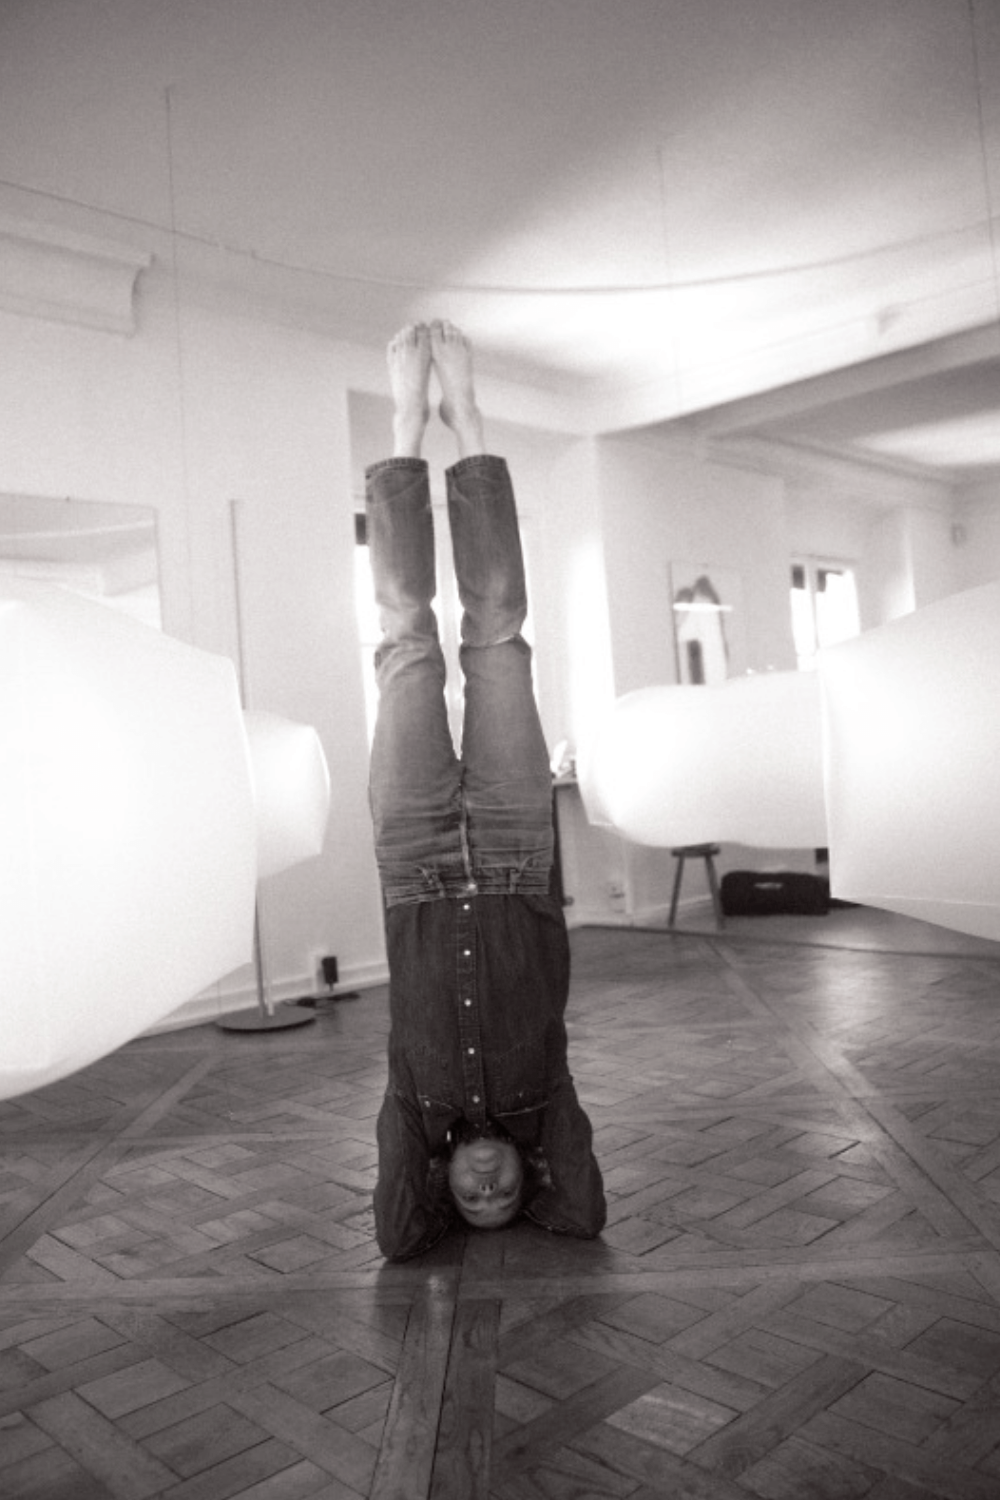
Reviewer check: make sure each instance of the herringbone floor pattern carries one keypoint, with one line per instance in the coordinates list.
(797, 1296)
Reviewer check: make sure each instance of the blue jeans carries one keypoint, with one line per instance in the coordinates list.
(447, 825)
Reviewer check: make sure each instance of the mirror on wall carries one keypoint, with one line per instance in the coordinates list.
(104, 551)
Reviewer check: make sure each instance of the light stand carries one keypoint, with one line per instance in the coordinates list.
(267, 1016)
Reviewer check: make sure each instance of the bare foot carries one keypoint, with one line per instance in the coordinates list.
(409, 359)
(453, 362)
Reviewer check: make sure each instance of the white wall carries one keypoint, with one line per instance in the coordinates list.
(660, 505)
(821, 525)
(977, 512)
(933, 556)
(263, 420)
(577, 674)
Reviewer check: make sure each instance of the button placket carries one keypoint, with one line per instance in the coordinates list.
(473, 1082)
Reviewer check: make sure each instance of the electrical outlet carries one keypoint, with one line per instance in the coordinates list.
(616, 895)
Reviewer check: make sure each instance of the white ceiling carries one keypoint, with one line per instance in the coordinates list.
(659, 206)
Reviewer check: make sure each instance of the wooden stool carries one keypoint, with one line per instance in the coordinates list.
(707, 852)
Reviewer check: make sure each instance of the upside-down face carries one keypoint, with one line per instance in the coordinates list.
(486, 1180)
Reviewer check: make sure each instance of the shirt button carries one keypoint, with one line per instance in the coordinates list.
(466, 1002)
(466, 952)
(475, 1098)
(472, 1051)
(465, 906)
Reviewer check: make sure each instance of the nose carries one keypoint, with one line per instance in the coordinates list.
(488, 1187)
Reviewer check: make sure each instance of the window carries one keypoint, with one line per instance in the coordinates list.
(824, 607)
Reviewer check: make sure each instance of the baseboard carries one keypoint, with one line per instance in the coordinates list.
(646, 916)
(226, 997)
(594, 916)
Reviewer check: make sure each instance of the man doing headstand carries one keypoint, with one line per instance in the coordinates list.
(480, 1117)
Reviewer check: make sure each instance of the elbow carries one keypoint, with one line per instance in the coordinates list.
(581, 1220)
(402, 1238)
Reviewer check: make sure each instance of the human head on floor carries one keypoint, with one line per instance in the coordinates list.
(490, 1177)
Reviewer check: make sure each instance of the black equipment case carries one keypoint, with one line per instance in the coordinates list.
(766, 893)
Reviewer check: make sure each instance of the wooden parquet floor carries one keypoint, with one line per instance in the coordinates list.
(797, 1296)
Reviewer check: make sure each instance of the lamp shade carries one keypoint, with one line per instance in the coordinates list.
(291, 785)
(912, 715)
(741, 763)
(128, 862)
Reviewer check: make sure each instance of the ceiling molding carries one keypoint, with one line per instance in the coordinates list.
(66, 277)
(870, 480)
(974, 346)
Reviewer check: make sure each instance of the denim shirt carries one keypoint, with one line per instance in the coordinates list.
(477, 994)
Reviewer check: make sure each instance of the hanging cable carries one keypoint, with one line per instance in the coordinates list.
(936, 238)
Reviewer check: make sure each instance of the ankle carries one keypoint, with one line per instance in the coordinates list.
(466, 422)
(408, 433)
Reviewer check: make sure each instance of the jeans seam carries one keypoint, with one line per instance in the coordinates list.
(476, 461)
(412, 465)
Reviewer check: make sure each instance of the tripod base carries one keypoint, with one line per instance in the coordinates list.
(281, 1019)
(316, 1001)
